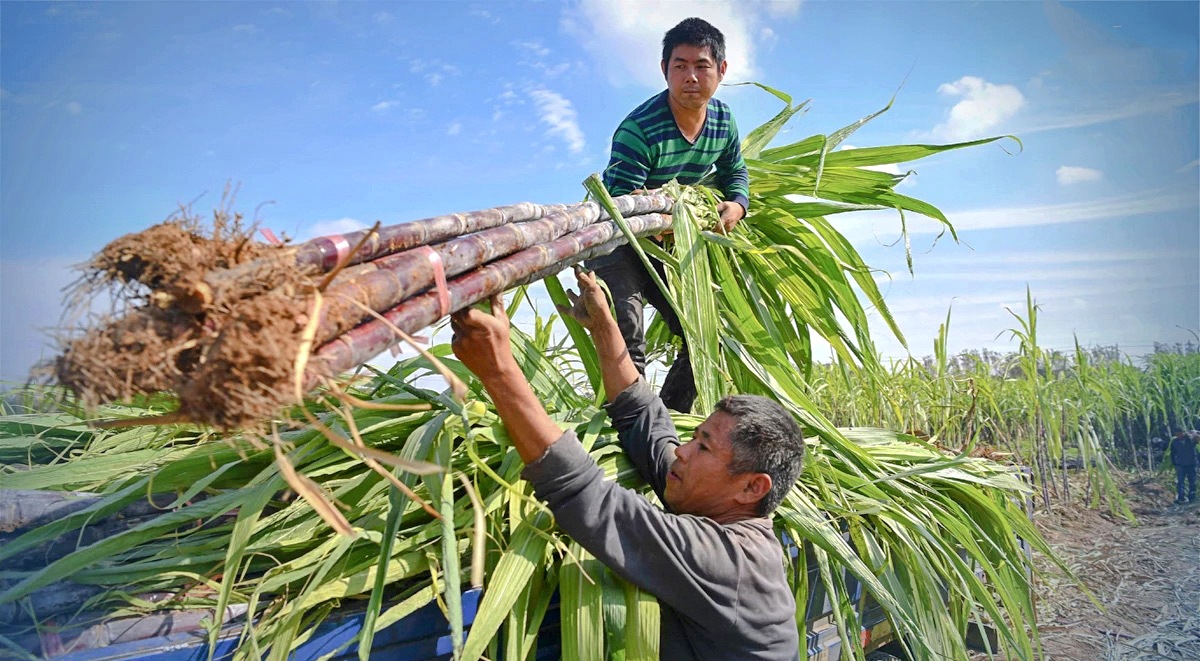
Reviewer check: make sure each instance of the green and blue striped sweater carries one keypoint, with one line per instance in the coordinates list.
(648, 150)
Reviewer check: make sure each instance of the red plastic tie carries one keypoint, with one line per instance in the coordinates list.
(334, 249)
(341, 245)
(270, 236)
(439, 279)
(397, 348)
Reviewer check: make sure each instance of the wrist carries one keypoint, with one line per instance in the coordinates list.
(602, 327)
(501, 374)
(608, 340)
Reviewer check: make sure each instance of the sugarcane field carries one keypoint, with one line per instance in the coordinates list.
(840, 345)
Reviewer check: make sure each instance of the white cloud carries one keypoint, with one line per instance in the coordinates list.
(781, 8)
(1114, 109)
(1103, 297)
(485, 15)
(1059, 257)
(552, 70)
(73, 107)
(630, 33)
(863, 225)
(383, 17)
(768, 37)
(246, 28)
(384, 106)
(1070, 174)
(535, 47)
(331, 227)
(433, 71)
(1055, 214)
(984, 106)
(1059, 274)
(1190, 166)
(534, 54)
(557, 112)
(454, 129)
(418, 65)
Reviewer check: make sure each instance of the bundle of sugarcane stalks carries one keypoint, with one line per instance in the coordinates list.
(240, 330)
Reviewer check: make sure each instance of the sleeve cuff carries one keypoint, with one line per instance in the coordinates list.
(742, 200)
(633, 398)
(563, 456)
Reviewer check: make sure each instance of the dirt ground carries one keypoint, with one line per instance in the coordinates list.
(1145, 575)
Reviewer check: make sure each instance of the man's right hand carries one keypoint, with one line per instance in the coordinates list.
(590, 307)
(481, 340)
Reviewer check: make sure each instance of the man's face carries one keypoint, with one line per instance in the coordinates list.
(692, 76)
(699, 481)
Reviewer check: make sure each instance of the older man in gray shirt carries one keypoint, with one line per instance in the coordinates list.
(711, 559)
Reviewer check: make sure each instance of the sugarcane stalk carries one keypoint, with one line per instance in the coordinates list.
(367, 340)
(44, 603)
(323, 254)
(385, 282)
(24, 508)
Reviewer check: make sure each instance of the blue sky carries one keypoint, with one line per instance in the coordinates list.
(330, 115)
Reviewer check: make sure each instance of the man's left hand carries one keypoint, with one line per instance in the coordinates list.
(590, 307)
(481, 340)
(731, 214)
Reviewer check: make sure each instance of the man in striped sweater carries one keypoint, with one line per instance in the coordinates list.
(681, 133)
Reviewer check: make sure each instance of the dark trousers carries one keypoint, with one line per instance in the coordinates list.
(1185, 473)
(632, 287)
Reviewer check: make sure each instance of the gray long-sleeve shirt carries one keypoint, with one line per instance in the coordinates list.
(722, 590)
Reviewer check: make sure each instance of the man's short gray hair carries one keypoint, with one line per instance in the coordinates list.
(765, 439)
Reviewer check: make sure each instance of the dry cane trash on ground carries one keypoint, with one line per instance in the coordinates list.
(1146, 575)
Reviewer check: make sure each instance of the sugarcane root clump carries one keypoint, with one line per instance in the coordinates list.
(219, 354)
(140, 354)
(249, 369)
(172, 253)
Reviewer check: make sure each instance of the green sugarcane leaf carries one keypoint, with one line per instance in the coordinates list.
(524, 556)
(582, 589)
(105, 548)
(249, 511)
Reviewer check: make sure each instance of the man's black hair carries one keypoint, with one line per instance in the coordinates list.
(694, 32)
(765, 439)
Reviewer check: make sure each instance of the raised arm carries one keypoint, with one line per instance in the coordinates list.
(643, 424)
(481, 342)
(590, 309)
(636, 539)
